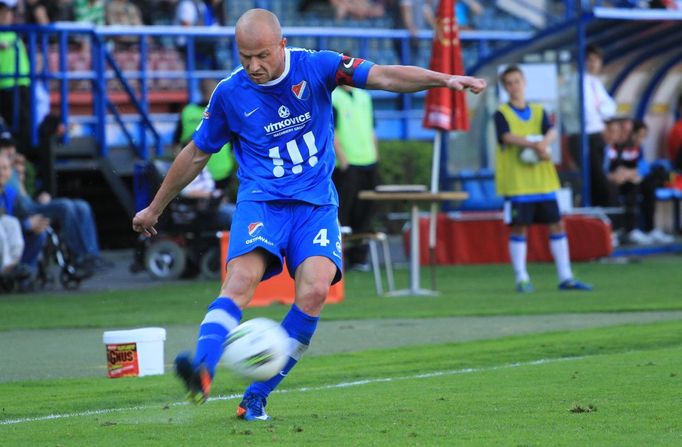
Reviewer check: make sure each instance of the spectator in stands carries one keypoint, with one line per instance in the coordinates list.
(73, 217)
(13, 90)
(149, 9)
(463, 11)
(357, 9)
(221, 164)
(598, 107)
(527, 179)
(664, 4)
(11, 239)
(317, 7)
(675, 138)
(636, 192)
(65, 11)
(33, 225)
(356, 169)
(192, 13)
(413, 16)
(40, 12)
(123, 12)
(89, 11)
(655, 176)
(162, 12)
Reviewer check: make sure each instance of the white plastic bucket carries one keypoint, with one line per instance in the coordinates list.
(135, 352)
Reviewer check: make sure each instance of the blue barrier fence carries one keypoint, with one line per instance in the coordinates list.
(42, 41)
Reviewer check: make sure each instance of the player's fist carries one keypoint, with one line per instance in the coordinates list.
(144, 222)
(475, 85)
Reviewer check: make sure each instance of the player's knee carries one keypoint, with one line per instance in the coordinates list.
(240, 282)
(312, 297)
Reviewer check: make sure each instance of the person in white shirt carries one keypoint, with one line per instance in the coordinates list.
(11, 243)
(203, 187)
(599, 107)
(193, 13)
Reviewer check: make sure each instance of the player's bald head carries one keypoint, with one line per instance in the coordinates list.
(261, 45)
(258, 27)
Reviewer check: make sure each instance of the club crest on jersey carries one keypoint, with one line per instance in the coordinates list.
(283, 112)
(300, 90)
(254, 228)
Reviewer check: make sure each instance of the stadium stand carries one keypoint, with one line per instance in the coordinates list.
(126, 101)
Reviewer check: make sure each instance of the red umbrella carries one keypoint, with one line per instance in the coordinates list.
(444, 109)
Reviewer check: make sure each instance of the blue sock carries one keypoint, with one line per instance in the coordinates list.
(223, 315)
(300, 328)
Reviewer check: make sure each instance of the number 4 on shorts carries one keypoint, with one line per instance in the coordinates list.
(321, 238)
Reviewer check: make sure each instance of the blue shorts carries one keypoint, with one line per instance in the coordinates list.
(291, 230)
(528, 213)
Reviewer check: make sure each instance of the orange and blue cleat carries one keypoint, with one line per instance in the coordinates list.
(252, 408)
(196, 380)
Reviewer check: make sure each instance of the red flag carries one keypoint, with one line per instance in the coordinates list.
(446, 109)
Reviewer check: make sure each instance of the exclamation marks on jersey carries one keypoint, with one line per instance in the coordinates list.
(278, 170)
(295, 155)
(296, 158)
(309, 139)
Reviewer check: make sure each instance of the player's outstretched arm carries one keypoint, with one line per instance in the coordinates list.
(408, 79)
(187, 165)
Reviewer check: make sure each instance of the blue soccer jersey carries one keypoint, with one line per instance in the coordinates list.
(282, 131)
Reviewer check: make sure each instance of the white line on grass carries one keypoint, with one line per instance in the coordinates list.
(295, 390)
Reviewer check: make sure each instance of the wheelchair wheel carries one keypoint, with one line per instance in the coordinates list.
(210, 264)
(68, 281)
(165, 260)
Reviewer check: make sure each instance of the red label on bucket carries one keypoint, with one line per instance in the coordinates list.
(122, 360)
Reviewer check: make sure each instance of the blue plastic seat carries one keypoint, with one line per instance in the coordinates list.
(665, 194)
(488, 183)
(473, 188)
(480, 186)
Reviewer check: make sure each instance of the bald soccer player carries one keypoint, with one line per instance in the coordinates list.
(276, 111)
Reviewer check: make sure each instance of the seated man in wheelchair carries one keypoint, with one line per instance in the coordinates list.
(187, 240)
(203, 188)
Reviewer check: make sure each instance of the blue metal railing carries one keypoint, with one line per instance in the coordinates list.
(100, 57)
(43, 39)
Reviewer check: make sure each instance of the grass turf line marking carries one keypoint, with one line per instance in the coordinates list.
(51, 417)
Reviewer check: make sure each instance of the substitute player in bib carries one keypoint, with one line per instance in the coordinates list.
(526, 178)
(276, 111)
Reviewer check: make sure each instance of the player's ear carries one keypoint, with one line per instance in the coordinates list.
(283, 43)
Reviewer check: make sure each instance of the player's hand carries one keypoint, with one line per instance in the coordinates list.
(542, 149)
(459, 83)
(144, 222)
(619, 176)
(634, 177)
(38, 223)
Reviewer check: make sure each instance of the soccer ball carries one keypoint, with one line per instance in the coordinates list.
(528, 156)
(257, 349)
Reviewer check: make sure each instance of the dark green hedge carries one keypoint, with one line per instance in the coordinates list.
(405, 162)
(401, 163)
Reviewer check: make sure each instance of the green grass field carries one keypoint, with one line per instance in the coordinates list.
(609, 385)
